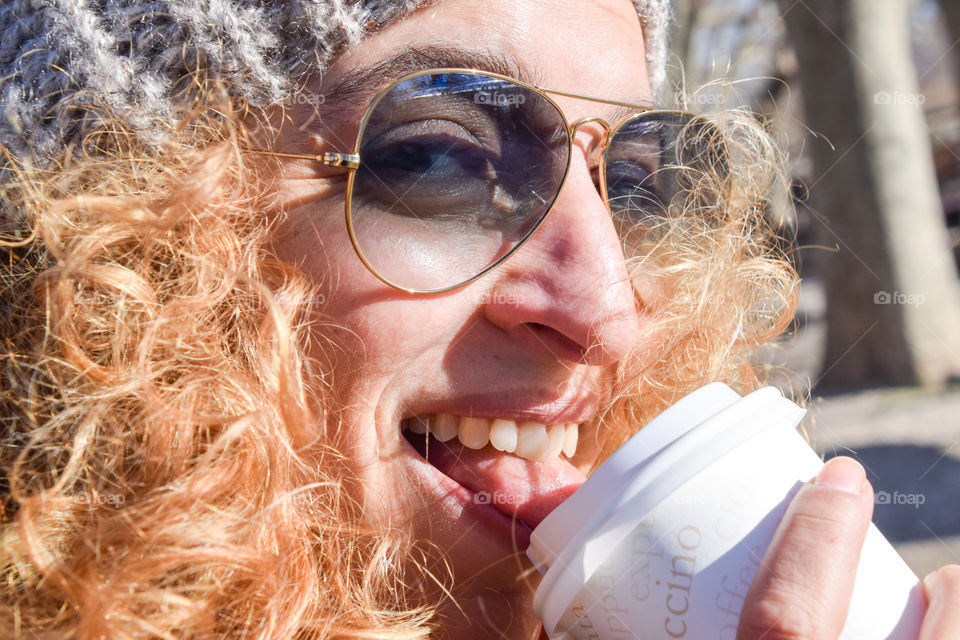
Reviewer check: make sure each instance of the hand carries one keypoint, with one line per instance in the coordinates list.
(803, 587)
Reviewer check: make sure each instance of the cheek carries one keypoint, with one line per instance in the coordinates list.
(394, 338)
(368, 320)
(314, 236)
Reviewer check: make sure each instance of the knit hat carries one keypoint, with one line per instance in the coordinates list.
(59, 56)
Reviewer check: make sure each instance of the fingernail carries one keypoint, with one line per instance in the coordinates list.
(843, 474)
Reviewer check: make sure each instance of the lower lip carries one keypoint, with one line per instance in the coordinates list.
(513, 534)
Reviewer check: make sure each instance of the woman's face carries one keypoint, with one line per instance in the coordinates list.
(535, 341)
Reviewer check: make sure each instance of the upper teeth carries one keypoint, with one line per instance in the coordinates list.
(531, 440)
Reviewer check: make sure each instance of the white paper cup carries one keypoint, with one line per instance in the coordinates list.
(663, 540)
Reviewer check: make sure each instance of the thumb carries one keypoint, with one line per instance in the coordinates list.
(804, 584)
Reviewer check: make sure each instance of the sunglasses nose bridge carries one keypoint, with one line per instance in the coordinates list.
(582, 121)
(597, 150)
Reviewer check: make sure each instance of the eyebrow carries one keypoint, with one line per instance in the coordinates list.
(358, 87)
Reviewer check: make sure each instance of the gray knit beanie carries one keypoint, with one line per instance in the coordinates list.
(132, 56)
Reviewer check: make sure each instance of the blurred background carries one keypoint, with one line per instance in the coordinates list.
(865, 97)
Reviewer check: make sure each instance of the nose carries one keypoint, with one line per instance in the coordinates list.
(567, 289)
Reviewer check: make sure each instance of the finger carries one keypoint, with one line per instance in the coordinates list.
(942, 620)
(803, 586)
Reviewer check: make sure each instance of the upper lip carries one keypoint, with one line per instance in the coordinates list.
(519, 405)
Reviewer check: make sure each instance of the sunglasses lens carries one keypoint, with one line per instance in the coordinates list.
(457, 169)
(660, 165)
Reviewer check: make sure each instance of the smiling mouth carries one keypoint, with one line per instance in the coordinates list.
(520, 469)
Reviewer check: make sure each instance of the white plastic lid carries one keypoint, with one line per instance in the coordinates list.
(591, 502)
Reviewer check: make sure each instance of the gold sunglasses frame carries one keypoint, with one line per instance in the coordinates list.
(351, 161)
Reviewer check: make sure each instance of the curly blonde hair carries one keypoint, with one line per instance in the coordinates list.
(166, 472)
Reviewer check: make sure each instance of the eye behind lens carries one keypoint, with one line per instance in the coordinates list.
(665, 163)
(456, 170)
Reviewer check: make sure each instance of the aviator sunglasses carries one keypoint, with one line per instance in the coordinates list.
(454, 169)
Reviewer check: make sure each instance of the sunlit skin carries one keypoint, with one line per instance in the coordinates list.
(537, 337)
(538, 334)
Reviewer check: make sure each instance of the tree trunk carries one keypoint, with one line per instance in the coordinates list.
(893, 305)
(951, 13)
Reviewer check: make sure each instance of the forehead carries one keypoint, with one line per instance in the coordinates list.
(592, 47)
